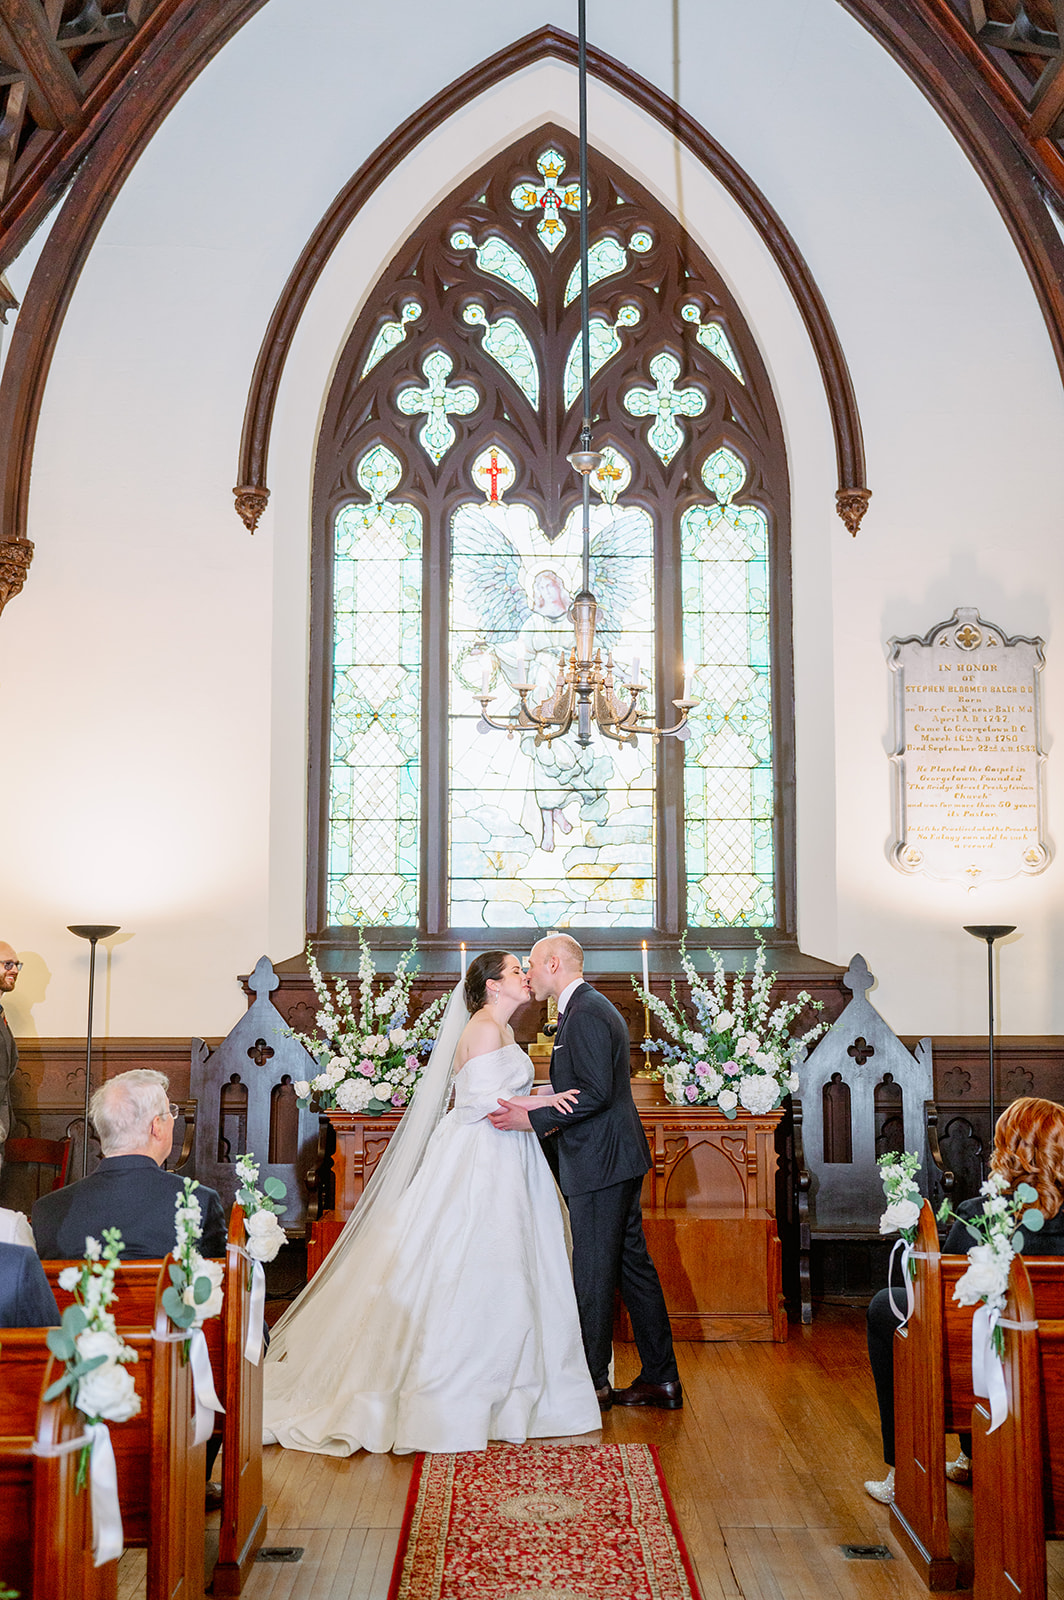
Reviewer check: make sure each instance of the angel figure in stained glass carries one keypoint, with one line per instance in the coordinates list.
(519, 596)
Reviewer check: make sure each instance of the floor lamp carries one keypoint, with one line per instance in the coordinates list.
(92, 932)
(983, 931)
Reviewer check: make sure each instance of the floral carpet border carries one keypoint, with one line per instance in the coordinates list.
(542, 1523)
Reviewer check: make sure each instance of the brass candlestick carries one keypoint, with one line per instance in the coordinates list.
(647, 1070)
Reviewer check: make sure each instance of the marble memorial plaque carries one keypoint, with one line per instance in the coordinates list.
(968, 759)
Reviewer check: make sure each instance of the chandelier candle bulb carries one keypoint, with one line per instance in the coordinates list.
(485, 677)
(635, 672)
(688, 674)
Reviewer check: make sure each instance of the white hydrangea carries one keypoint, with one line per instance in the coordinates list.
(758, 1093)
(899, 1214)
(354, 1094)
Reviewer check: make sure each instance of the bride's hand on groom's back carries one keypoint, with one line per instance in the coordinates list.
(512, 1115)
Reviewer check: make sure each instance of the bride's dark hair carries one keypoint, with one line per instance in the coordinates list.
(488, 965)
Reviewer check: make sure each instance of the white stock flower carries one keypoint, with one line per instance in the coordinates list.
(899, 1214)
(696, 1044)
(727, 1099)
(987, 1276)
(758, 1093)
(724, 1021)
(69, 1279)
(215, 1271)
(265, 1235)
(354, 1095)
(302, 1088)
(995, 1205)
(94, 1342)
(93, 1248)
(93, 1293)
(110, 1393)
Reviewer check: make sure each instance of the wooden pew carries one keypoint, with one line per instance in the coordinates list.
(1018, 1469)
(161, 1472)
(239, 1386)
(933, 1395)
(45, 1521)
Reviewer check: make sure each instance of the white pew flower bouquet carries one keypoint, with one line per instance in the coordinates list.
(739, 1053)
(902, 1194)
(195, 1291)
(998, 1239)
(262, 1209)
(94, 1353)
(369, 1060)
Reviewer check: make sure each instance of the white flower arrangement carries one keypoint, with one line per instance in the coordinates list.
(262, 1208)
(195, 1291)
(87, 1341)
(902, 1194)
(737, 1054)
(998, 1239)
(369, 1056)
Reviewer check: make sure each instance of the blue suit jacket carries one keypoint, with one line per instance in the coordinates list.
(26, 1298)
(132, 1193)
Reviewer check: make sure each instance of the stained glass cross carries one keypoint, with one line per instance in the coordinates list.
(438, 401)
(665, 403)
(550, 196)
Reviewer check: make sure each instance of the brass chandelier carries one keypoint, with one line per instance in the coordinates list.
(586, 690)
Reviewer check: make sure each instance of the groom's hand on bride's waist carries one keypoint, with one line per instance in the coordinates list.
(511, 1117)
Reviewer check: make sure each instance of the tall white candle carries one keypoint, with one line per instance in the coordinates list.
(646, 968)
(688, 674)
(463, 963)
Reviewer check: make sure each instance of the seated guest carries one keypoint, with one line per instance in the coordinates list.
(1028, 1148)
(26, 1298)
(129, 1190)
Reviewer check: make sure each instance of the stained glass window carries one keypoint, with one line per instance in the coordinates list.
(728, 773)
(375, 777)
(554, 834)
(451, 526)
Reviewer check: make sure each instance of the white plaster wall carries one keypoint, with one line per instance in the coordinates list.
(154, 670)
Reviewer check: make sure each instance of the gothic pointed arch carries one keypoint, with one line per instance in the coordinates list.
(446, 546)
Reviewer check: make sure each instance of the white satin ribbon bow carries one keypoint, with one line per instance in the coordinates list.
(107, 1540)
(203, 1392)
(988, 1370)
(256, 1310)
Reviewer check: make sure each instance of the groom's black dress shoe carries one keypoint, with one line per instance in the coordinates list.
(604, 1396)
(668, 1396)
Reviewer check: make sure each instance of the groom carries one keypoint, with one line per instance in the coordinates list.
(602, 1156)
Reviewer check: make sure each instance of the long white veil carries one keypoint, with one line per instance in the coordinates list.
(396, 1168)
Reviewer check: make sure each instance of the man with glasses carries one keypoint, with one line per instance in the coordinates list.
(10, 967)
(129, 1189)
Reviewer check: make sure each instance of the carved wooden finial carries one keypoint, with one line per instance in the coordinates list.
(851, 504)
(263, 980)
(250, 504)
(857, 977)
(15, 558)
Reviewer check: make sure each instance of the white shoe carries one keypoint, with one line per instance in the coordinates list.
(959, 1471)
(884, 1491)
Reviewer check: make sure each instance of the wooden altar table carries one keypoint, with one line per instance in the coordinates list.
(709, 1209)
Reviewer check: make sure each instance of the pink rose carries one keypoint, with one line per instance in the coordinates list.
(410, 1063)
(691, 1092)
(367, 1069)
(701, 1069)
(398, 1100)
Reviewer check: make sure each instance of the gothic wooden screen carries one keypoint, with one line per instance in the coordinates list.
(447, 547)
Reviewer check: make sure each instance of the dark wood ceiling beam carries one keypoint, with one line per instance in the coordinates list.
(56, 94)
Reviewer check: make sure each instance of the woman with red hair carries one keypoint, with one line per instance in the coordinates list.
(1028, 1148)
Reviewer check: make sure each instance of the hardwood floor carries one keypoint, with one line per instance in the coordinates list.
(765, 1464)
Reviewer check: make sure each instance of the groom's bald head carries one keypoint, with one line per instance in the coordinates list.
(553, 963)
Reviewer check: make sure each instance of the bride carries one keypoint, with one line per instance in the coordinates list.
(444, 1315)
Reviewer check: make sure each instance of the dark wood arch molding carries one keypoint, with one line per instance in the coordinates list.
(252, 492)
(176, 55)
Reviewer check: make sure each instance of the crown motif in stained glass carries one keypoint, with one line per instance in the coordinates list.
(552, 197)
(494, 472)
(711, 337)
(665, 402)
(391, 334)
(498, 257)
(438, 401)
(507, 343)
(613, 476)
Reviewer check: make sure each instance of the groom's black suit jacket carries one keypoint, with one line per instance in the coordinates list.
(602, 1141)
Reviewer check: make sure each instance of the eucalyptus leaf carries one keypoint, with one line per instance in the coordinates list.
(1024, 1192)
(177, 1276)
(54, 1390)
(201, 1290)
(74, 1319)
(1017, 1240)
(180, 1314)
(80, 1368)
(274, 1188)
(975, 1233)
(61, 1343)
(245, 1198)
(1032, 1220)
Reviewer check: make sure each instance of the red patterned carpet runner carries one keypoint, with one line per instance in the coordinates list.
(542, 1523)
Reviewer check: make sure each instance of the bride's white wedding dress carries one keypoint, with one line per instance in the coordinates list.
(454, 1321)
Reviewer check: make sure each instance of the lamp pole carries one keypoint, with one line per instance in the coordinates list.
(92, 931)
(990, 933)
